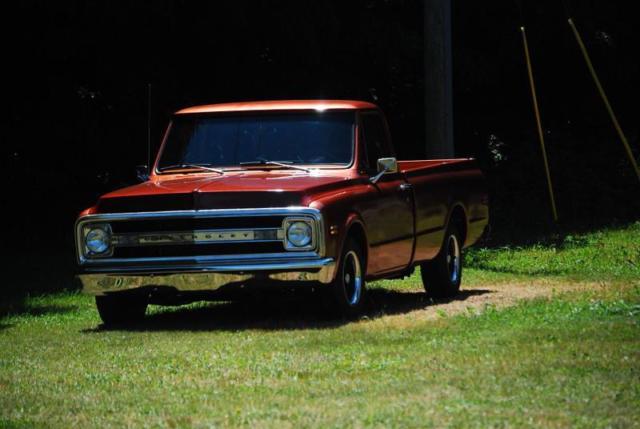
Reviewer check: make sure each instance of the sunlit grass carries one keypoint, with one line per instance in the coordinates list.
(609, 253)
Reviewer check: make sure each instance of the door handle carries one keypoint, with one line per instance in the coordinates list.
(405, 187)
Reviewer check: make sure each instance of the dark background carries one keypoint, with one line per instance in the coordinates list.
(75, 77)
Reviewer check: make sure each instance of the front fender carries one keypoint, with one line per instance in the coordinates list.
(339, 229)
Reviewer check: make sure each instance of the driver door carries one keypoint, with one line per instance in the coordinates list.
(388, 213)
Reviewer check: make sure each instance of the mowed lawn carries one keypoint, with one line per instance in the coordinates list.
(568, 358)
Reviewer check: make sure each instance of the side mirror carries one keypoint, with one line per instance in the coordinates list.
(142, 173)
(385, 166)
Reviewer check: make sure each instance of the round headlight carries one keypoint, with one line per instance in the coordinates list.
(299, 234)
(97, 240)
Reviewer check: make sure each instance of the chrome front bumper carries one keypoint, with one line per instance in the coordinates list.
(192, 278)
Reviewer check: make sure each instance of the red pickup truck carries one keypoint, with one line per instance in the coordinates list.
(278, 192)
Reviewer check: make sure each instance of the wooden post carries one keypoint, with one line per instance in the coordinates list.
(539, 123)
(438, 79)
(594, 75)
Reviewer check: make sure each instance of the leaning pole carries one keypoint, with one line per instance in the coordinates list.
(438, 79)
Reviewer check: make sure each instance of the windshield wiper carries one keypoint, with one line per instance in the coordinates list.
(191, 166)
(261, 161)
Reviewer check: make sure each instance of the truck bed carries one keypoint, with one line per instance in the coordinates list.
(438, 186)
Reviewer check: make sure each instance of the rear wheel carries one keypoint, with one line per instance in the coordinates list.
(441, 276)
(348, 289)
(115, 309)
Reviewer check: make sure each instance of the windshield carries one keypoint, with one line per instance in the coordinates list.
(292, 138)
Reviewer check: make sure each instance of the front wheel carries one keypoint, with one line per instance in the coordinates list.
(441, 276)
(348, 289)
(114, 309)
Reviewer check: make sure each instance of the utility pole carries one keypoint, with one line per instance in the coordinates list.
(438, 79)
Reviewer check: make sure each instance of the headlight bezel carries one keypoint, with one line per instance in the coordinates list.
(88, 229)
(291, 221)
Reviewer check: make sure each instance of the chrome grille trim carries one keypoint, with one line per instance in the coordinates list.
(206, 236)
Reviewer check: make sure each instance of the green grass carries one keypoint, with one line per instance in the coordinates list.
(569, 361)
(604, 254)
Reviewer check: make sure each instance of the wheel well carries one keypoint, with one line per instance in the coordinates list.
(356, 231)
(459, 219)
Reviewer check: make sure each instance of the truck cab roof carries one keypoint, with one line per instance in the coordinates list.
(249, 106)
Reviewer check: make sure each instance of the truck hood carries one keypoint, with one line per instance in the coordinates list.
(246, 189)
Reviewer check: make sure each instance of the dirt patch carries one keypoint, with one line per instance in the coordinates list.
(475, 299)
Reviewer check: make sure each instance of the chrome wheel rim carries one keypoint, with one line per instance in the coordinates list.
(352, 277)
(453, 258)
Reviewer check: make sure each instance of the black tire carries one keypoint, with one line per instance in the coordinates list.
(442, 275)
(348, 289)
(121, 309)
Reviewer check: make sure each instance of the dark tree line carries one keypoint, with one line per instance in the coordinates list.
(76, 75)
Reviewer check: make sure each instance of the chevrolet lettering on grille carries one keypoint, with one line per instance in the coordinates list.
(196, 237)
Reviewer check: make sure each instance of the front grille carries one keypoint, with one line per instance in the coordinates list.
(265, 239)
(215, 233)
(194, 224)
(198, 250)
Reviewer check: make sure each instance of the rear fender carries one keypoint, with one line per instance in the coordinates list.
(453, 207)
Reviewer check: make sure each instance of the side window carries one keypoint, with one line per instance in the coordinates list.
(375, 140)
